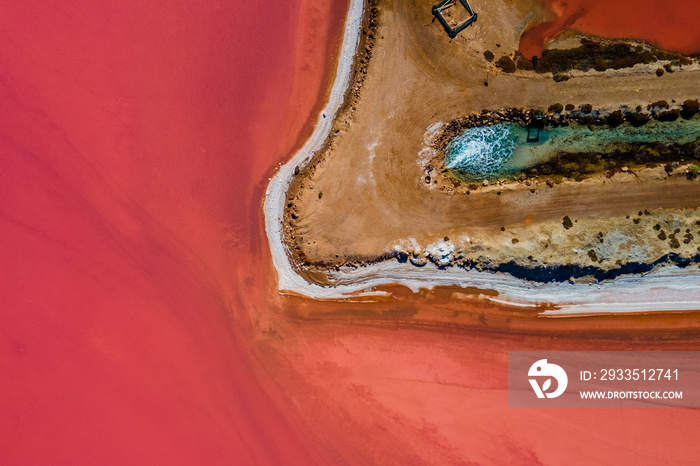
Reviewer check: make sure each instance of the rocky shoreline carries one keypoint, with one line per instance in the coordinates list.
(580, 250)
(570, 166)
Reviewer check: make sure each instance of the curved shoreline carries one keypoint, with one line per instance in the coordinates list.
(656, 291)
(275, 194)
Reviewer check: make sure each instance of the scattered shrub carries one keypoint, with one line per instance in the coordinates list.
(674, 243)
(659, 72)
(638, 118)
(592, 54)
(556, 108)
(690, 108)
(669, 115)
(506, 64)
(488, 55)
(524, 64)
(691, 105)
(615, 119)
(566, 221)
(659, 104)
(672, 56)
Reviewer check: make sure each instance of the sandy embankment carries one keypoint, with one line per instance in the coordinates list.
(669, 288)
(288, 279)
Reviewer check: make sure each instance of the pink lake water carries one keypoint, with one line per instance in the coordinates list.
(668, 25)
(140, 321)
(134, 140)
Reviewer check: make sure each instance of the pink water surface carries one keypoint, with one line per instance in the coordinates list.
(670, 25)
(139, 316)
(134, 139)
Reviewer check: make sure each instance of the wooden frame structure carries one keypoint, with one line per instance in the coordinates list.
(444, 5)
(534, 127)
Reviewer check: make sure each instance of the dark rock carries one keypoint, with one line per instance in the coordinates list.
(638, 118)
(669, 115)
(689, 108)
(418, 261)
(615, 119)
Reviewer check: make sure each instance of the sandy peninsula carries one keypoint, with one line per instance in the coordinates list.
(364, 203)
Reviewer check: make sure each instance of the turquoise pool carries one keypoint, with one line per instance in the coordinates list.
(501, 149)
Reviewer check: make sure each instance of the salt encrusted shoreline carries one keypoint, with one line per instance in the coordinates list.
(666, 289)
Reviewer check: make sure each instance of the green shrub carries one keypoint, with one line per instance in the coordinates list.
(592, 54)
(556, 108)
(691, 106)
(674, 56)
(524, 64)
(488, 55)
(567, 222)
(506, 64)
(659, 104)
